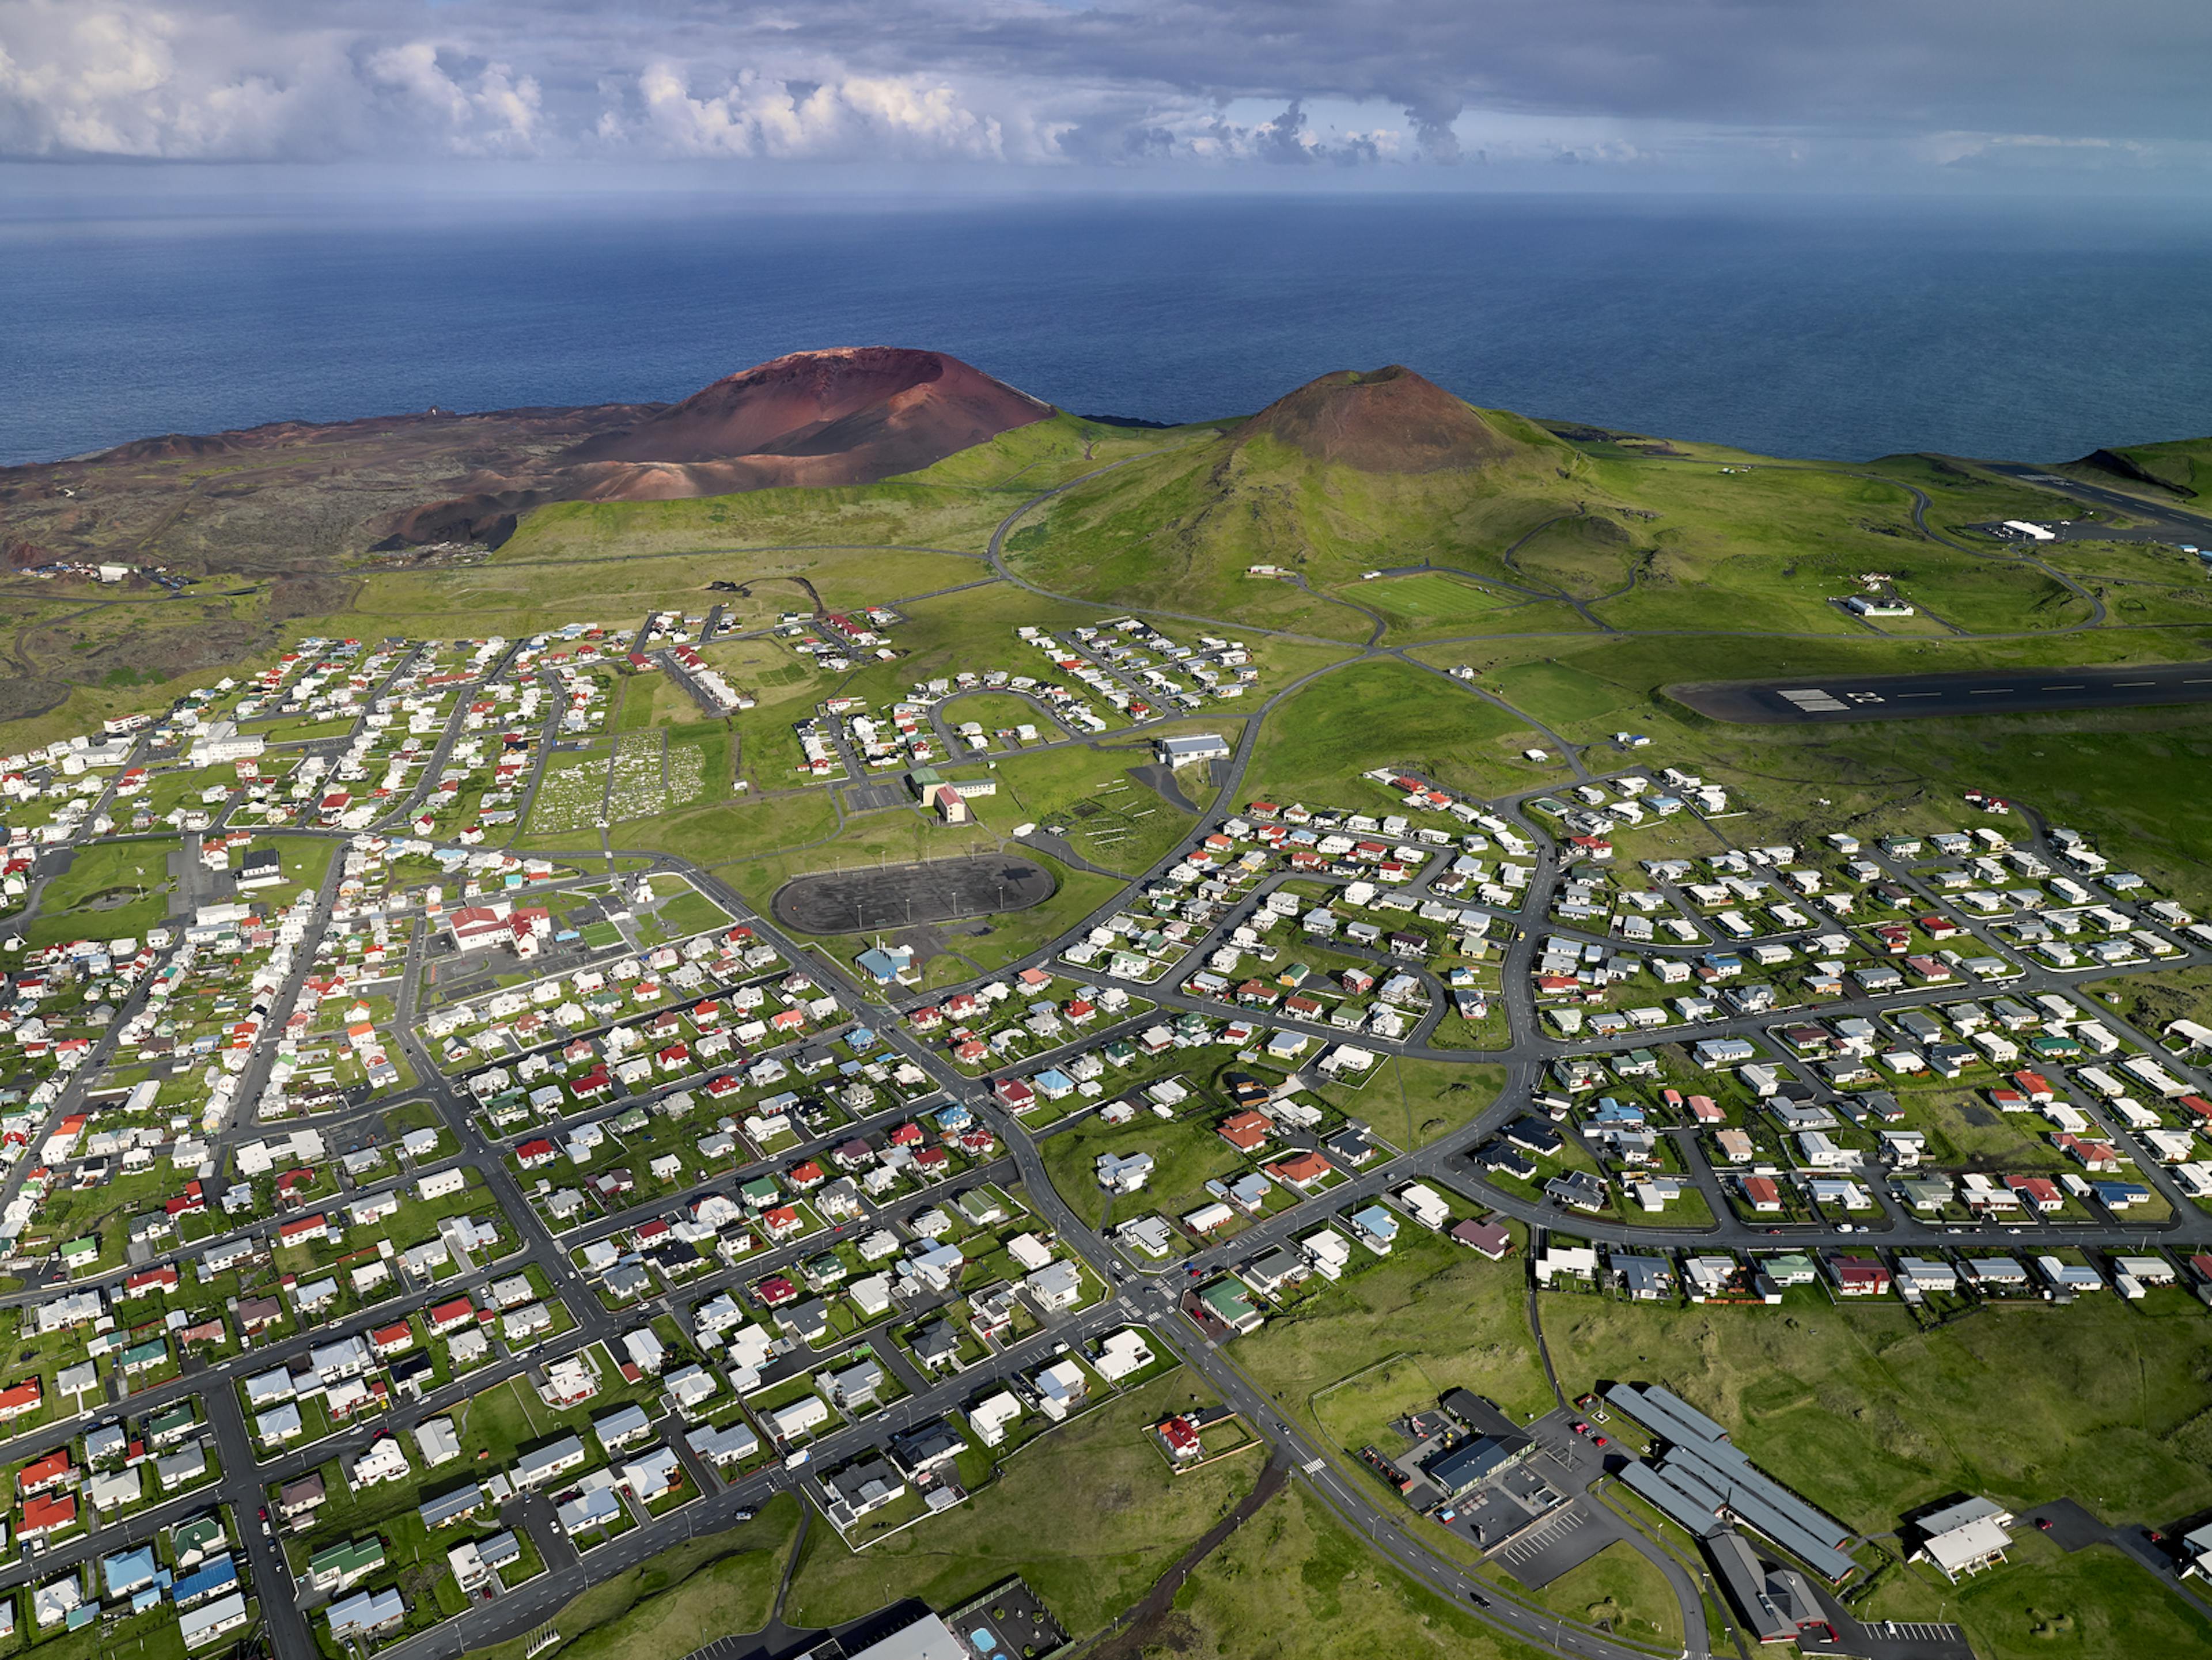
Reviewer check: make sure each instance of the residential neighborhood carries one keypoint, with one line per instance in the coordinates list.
(406, 1230)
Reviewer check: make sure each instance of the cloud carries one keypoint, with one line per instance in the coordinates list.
(756, 115)
(484, 109)
(173, 83)
(1121, 83)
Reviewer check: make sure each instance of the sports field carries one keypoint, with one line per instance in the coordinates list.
(898, 896)
(1430, 597)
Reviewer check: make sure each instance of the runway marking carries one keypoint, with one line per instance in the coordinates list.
(2064, 689)
(1987, 691)
(1920, 694)
(2132, 685)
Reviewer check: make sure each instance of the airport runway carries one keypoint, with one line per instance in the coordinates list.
(2187, 524)
(1908, 696)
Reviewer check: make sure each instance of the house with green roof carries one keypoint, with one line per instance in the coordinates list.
(1230, 1303)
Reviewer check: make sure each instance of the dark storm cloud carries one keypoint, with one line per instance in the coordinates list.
(2009, 84)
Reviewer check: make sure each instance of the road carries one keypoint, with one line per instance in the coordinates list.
(2183, 521)
(1139, 1292)
(1839, 698)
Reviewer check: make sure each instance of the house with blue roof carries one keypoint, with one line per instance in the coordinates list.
(889, 965)
(128, 1570)
(1375, 1228)
(219, 1575)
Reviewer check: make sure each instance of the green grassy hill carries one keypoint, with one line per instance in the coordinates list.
(2185, 464)
(1179, 528)
(1326, 485)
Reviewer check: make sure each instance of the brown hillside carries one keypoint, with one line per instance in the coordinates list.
(844, 416)
(1385, 420)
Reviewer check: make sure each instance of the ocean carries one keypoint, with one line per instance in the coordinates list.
(1839, 329)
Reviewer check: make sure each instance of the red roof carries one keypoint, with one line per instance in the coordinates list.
(47, 1512)
(452, 1313)
(1244, 1131)
(43, 1472)
(1300, 1167)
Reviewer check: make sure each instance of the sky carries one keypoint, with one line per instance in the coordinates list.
(1788, 94)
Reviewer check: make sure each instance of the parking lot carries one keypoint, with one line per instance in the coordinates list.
(1558, 1544)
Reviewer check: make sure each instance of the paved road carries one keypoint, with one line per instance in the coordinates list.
(1140, 1293)
(1846, 698)
(2192, 526)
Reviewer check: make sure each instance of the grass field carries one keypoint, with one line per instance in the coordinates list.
(611, 562)
(110, 890)
(1050, 452)
(2045, 1605)
(1187, 1154)
(719, 1584)
(1410, 1103)
(1314, 745)
(1559, 694)
(1111, 818)
(903, 514)
(1292, 1583)
(1430, 598)
(1432, 1315)
(1089, 1561)
(2151, 1000)
(1623, 1590)
(1868, 1416)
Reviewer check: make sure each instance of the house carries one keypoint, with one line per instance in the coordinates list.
(1858, 1276)
(1062, 1388)
(1120, 1354)
(797, 1418)
(1305, 1171)
(47, 1513)
(1574, 1261)
(541, 1464)
(448, 1508)
(1963, 1538)
(435, 1440)
(1230, 1302)
(1489, 1238)
(868, 1485)
(723, 1447)
(622, 1426)
(1055, 1286)
(302, 1497)
(202, 1624)
(989, 1418)
(1762, 1193)
(384, 1460)
(364, 1616)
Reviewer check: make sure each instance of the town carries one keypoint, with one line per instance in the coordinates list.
(409, 1222)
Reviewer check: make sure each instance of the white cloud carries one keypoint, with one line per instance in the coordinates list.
(492, 111)
(856, 117)
(169, 83)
